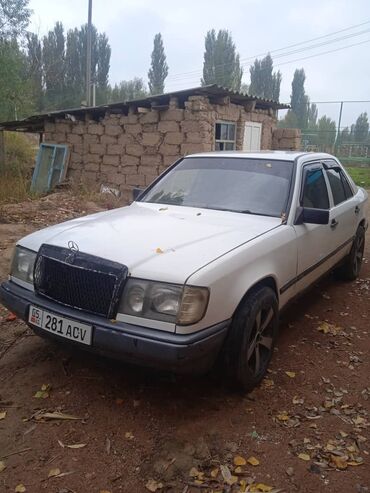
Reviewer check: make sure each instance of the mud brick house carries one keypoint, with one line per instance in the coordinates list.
(129, 144)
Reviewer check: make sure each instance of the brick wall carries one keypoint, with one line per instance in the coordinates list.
(287, 139)
(131, 150)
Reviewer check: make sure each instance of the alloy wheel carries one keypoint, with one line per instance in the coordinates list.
(261, 340)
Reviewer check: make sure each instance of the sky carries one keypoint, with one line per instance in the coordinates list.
(257, 27)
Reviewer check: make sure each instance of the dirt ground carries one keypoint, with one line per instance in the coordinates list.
(305, 429)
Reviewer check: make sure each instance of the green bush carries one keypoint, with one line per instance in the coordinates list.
(15, 176)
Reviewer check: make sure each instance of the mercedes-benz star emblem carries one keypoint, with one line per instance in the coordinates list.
(72, 245)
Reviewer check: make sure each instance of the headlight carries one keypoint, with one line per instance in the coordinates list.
(166, 302)
(22, 264)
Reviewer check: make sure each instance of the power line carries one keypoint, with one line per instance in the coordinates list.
(316, 54)
(197, 72)
(332, 102)
(324, 53)
(300, 50)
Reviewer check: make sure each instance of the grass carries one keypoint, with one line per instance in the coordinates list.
(15, 177)
(354, 161)
(361, 176)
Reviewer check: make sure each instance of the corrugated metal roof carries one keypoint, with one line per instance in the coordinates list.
(35, 122)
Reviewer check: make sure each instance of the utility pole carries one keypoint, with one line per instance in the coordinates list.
(88, 56)
(339, 123)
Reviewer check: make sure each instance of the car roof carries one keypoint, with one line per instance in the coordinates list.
(280, 155)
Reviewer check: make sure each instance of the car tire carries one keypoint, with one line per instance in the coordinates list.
(251, 338)
(350, 269)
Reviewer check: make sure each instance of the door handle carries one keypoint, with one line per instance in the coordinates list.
(357, 209)
(334, 223)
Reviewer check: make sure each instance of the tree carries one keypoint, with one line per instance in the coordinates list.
(15, 95)
(361, 129)
(345, 136)
(289, 121)
(34, 64)
(14, 18)
(221, 64)
(54, 66)
(158, 69)
(102, 70)
(326, 131)
(15, 87)
(64, 66)
(299, 100)
(312, 116)
(127, 90)
(264, 82)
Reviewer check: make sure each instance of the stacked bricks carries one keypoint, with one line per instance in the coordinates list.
(288, 139)
(131, 150)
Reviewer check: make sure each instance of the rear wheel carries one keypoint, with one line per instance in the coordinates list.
(252, 337)
(351, 267)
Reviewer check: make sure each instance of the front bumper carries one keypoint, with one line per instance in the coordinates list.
(191, 353)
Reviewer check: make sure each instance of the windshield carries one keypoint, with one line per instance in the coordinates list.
(255, 186)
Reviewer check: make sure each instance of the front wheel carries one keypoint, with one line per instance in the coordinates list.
(252, 338)
(350, 269)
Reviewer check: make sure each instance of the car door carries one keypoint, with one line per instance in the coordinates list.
(314, 241)
(344, 212)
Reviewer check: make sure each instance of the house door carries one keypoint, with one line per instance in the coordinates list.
(252, 136)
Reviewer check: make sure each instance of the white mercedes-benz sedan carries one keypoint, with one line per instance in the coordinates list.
(198, 267)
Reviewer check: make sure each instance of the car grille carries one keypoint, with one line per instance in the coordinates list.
(79, 280)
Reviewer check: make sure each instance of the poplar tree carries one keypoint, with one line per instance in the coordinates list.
(221, 64)
(158, 69)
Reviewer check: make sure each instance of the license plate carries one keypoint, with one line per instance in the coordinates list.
(60, 326)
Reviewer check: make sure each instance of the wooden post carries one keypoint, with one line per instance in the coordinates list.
(2, 150)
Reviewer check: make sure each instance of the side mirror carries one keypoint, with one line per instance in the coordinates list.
(312, 216)
(136, 192)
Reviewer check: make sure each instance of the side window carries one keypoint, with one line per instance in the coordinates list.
(337, 186)
(315, 193)
(347, 188)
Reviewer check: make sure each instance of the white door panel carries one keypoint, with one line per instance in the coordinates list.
(252, 136)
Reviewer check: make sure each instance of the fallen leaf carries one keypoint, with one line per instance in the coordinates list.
(129, 435)
(2, 466)
(153, 485)
(41, 395)
(297, 400)
(257, 487)
(238, 470)
(2, 415)
(159, 250)
(77, 445)
(354, 463)
(289, 471)
(239, 461)
(327, 328)
(20, 488)
(55, 415)
(226, 474)
(338, 462)
(268, 383)
(283, 416)
(10, 318)
(304, 456)
(54, 472)
(290, 374)
(253, 461)
(214, 472)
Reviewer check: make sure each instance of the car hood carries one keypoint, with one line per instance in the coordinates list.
(166, 243)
